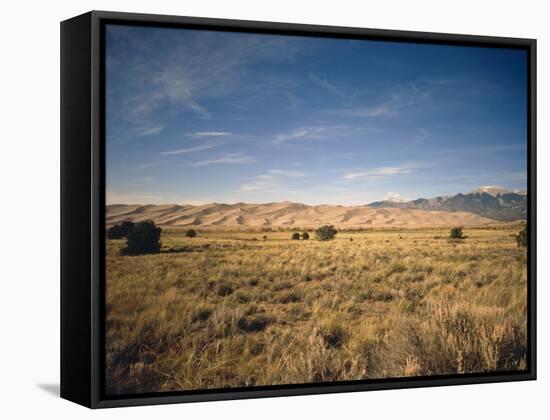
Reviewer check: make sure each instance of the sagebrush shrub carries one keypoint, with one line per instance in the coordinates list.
(456, 233)
(326, 233)
(190, 233)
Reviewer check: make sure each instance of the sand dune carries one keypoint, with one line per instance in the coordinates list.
(287, 214)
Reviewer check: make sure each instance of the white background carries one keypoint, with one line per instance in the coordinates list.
(29, 210)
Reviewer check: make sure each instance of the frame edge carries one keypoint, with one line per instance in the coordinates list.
(76, 245)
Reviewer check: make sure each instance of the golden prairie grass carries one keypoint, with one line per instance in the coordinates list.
(232, 309)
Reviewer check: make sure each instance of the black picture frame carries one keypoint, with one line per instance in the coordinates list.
(83, 207)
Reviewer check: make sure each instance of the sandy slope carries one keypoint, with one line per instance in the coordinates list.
(287, 214)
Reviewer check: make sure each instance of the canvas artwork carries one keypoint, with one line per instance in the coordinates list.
(292, 209)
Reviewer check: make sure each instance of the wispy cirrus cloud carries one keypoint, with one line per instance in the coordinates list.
(294, 134)
(263, 183)
(147, 165)
(270, 181)
(229, 159)
(312, 132)
(180, 71)
(380, 172)
(328, 86)
(204, 134)
(287, 172)
(193, 149)
(149, 131)
(391, 104)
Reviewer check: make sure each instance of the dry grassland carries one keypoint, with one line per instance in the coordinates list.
(232, 309)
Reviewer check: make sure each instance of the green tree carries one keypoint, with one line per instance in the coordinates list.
(456, 233)
(114, 232)
(144, 238)
(522, 237)
(120, 231)
(296, 236)
(326, 233)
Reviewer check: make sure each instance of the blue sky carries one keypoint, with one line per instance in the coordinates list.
(204, 116)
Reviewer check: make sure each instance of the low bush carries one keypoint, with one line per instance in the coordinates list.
(190, 233)
(326, 233)
(456, 233)
(254, 323)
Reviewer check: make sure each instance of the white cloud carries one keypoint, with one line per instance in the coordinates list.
(289, 173)
(203, 134)
(381, 172)
(313, 132)
(260, 183)
(401, 97)
(147, 165)
(330, 87)
(229, 159)
(171, 75)
(189, 149)
(297, 133)
(148, 131)
(271, 181)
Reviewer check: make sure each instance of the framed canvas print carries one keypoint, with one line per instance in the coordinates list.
(256, 209)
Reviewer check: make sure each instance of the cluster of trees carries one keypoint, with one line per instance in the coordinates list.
(296, 236)
(141, 238)
(324, 233)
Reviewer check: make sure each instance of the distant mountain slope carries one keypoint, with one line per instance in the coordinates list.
(287, 214)
(495, 203)
(496, 191)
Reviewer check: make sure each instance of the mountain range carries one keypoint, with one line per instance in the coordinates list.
(495, 203)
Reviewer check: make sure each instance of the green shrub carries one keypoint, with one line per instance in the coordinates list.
(190, 233)
(522, 237)
(456, 233)
(144, 238)
(296, 236)
(120, 231)
(326, 233)
(305, 236)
